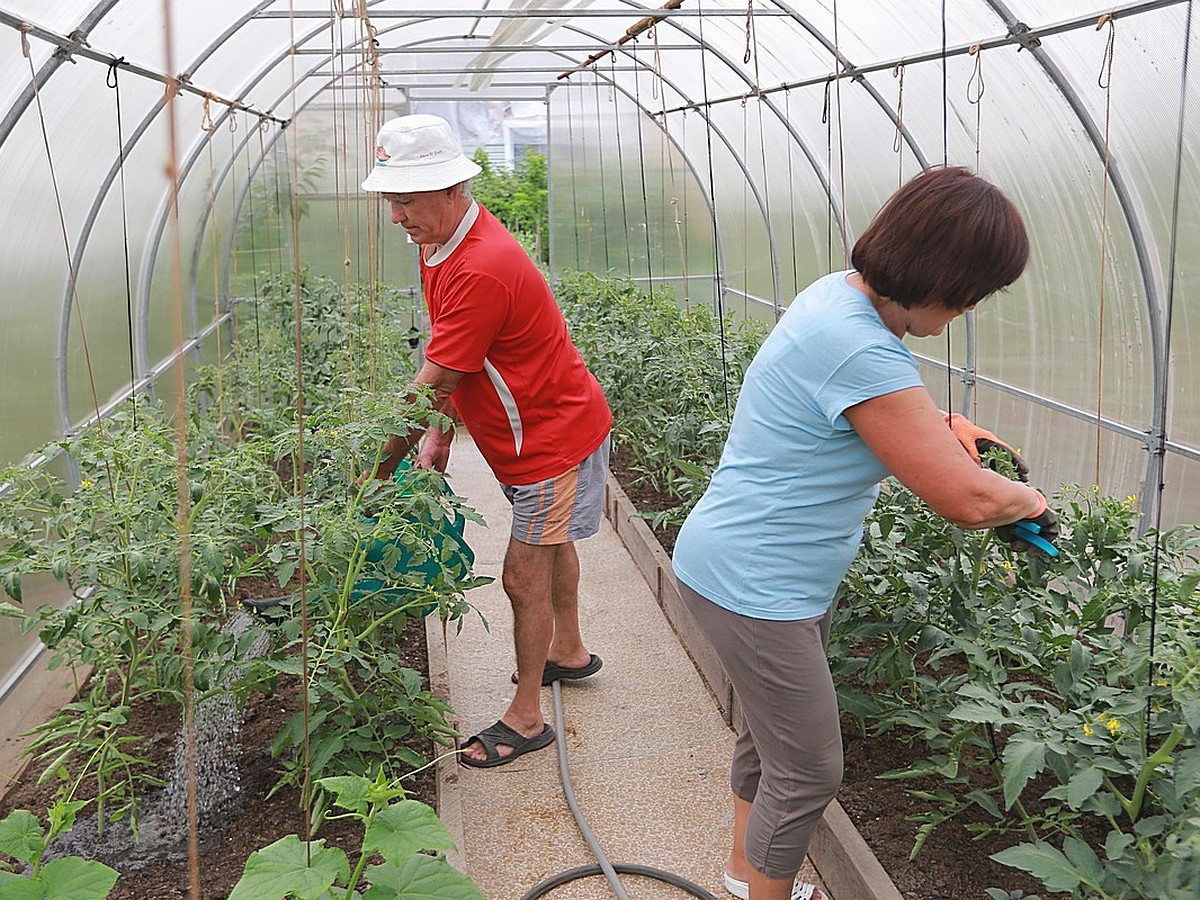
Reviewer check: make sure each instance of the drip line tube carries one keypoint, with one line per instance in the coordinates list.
(609, 870)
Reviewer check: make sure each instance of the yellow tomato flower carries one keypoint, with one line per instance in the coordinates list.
(1113, 727)
(1008, 567)
(1131, 499)
(85, 483)
(1088, 730)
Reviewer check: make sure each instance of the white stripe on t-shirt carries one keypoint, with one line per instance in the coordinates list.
(508, 401)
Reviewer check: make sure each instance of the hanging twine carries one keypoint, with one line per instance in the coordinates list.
(898, 137)
(975, 91)
(1104, 81)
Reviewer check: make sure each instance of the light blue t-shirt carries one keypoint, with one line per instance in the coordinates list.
(781, 520)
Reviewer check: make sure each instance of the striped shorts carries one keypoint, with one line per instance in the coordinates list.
(565, 508)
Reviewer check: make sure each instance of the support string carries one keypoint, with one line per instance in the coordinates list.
(621, 166)
(975, 90)
(208, 127)
(1161, 438)
(637, 97)
(114, 82)
(898, 138)
(71, 274)
(301, 532)
(183, 494)
(718, 284)
(1104, 81)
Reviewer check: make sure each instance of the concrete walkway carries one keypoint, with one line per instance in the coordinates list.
(648, 749)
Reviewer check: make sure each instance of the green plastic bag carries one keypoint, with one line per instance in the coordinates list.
(453, 555)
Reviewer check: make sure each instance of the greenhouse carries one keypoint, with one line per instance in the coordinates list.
(215, 333)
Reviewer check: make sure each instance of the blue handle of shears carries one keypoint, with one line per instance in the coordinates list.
(1028, 532)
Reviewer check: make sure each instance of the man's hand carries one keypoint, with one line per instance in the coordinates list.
(977, 441)
(433, 452)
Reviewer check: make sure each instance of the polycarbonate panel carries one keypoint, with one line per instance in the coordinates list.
(869, 31)
(15, 74)
(63, 16)
(138, 32)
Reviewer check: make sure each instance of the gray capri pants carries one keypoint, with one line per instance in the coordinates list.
(787, 761)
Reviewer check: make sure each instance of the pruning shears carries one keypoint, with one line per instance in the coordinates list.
(1030, 532)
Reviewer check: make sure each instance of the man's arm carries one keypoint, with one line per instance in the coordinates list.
(433, 450)
(443, 381)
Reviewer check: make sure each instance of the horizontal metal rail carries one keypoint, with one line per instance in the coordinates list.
(1140, 435)
(1023, 38)
(135, 387)
(486, 48)
(72, 47)
(627, 12)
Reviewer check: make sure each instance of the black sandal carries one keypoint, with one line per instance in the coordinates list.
(501, 733)
(554, 672)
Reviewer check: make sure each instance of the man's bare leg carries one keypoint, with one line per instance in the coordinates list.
(566, 646)
(528, 580)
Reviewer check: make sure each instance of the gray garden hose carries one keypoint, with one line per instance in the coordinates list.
(604, 867)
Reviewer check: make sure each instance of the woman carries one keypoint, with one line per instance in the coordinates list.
(831, 404)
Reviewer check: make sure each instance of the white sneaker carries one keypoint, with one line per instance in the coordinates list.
(801, 890)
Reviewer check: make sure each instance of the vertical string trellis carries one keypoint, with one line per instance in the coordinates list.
(718, 284)
(637, 103)
(1160, 443)
(898, 137)
(612, 59)
(298, 473)
(113, 81)
(745, 215)
(72, 275)
(1104, 81)
(975, 91)
(600, 169)
(209, 128)
(827, 121)
(341, 154)
(574, 175)
(787, 111)
(233, 274)
(945, 162)
(752, 51)
(660, 88)
(370, 120)
(837, 91)
(254, 269)
(183, 494)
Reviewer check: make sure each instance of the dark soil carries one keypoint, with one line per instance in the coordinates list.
(953, 864)
(258, 820)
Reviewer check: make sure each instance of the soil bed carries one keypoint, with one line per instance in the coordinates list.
(953, 864)
(257, 820)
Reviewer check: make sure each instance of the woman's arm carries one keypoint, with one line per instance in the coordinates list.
(909, 435)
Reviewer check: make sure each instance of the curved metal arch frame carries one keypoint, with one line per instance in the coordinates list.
(760, 200)
(1134, 213)
(18, 107)
(710, 201)
(673, 141)
(141, 360)
(155, 233)
(1148, 264)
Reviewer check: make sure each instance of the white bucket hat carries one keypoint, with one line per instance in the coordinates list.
(417, 153)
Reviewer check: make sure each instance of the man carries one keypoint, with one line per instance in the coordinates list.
(500, 359)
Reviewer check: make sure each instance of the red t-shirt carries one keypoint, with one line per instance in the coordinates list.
(526, 396)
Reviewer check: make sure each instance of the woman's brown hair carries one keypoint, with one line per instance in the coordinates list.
(947, 238)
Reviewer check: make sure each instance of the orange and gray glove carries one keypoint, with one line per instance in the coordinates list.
(976, 441)
(1036, 532)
